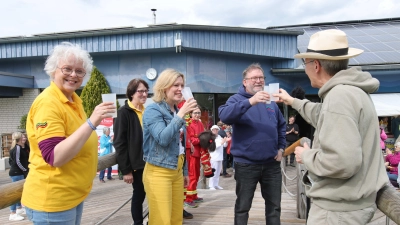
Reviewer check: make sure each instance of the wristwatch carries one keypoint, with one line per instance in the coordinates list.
(281, 149)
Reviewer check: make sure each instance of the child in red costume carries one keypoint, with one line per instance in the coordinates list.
(194, 155)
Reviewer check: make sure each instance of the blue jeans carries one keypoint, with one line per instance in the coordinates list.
(13, 208)
(392, 176)
(68, 217)
(101, 175)
(270, 178)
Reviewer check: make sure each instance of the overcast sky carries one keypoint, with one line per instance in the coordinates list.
(29, 17)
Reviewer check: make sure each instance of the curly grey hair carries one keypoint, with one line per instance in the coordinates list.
(63, 52)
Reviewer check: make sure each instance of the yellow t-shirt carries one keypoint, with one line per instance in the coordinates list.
(138, 112)
(54, 189)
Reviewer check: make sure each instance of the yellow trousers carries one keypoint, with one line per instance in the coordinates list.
(164, 188)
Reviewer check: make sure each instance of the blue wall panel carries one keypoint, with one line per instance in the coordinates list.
(205, 72)
(108, 66)
(262, 44)
(247, 43)
(210, 73)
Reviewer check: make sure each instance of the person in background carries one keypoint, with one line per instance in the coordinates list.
(18, 170)
(128, 143)
(228, 132)
(63, 157)
(383, 138)
(216, 158)
(345, 153)
(392, 162)
(165, 172)
(258, 140)
(193, 149)
(292, 135)
(395, 125)
(222, 133)
(383, 123)
(106, 148)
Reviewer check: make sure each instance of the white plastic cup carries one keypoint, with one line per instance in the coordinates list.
(274, 89)
(112, 97)
(187, 93)
(266, 89)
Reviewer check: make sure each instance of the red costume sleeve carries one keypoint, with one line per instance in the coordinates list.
(228, 147)
(205, 161)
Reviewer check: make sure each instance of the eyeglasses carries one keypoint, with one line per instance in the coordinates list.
(255, 79)
(68, 71)
(142, 91)
(304, 64)
(197, 113)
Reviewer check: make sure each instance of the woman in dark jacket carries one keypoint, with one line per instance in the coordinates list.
(128, 140)
(18, 160)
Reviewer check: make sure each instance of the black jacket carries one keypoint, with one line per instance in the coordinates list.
(19, 163)
(128, 140)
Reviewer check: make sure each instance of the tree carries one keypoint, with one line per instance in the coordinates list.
(22, 122)
(91, 93)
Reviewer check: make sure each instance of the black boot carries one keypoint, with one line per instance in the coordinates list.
(187, 215)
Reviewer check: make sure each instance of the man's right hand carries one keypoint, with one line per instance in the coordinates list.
(259, 97)
(284, 97)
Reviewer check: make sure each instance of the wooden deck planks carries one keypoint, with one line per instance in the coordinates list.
(217, 208)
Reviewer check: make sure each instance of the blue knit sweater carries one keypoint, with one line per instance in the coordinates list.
(259, 130)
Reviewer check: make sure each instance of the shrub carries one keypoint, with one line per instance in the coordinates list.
(91, 93)
(22, 122)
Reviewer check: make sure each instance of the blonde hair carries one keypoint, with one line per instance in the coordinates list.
(166, 79)
(397, 144)
(16, 136)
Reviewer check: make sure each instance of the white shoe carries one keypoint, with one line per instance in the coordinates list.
(15, 217)
(211, 188)
(218, 187)
(21, 211)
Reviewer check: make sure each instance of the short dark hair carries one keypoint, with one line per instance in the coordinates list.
(132, 87)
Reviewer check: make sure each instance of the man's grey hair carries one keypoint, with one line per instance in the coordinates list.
(252, 67)
(332, 67)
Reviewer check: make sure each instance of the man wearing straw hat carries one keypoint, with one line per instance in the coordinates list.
(345, 166)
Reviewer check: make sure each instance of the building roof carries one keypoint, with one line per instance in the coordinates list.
(149, 28)
(231, 40)
(380, 38)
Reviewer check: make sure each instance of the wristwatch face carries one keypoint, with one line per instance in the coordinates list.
(151, 74)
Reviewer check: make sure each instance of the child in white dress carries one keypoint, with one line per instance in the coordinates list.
(217, 157)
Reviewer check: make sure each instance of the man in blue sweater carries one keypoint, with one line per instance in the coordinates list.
(257, 145)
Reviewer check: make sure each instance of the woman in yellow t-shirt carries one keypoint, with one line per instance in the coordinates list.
(63, 156)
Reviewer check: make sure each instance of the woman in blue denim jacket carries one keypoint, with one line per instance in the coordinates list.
(165, 173)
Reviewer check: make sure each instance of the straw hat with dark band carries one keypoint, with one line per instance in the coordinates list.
(329, 44)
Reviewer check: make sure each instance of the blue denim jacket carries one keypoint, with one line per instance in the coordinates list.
(161, 136)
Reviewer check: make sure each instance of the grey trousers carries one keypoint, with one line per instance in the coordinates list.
(319, 216)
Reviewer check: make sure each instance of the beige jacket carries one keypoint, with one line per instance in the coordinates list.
(345, 163)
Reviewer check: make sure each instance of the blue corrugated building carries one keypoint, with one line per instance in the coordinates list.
(211, 57)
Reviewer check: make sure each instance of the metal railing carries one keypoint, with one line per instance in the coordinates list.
(387, 200)
(11, 193)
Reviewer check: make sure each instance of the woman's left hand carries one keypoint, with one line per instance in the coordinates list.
(185, 181)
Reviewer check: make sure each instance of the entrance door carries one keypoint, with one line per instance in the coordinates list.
(209, 104)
